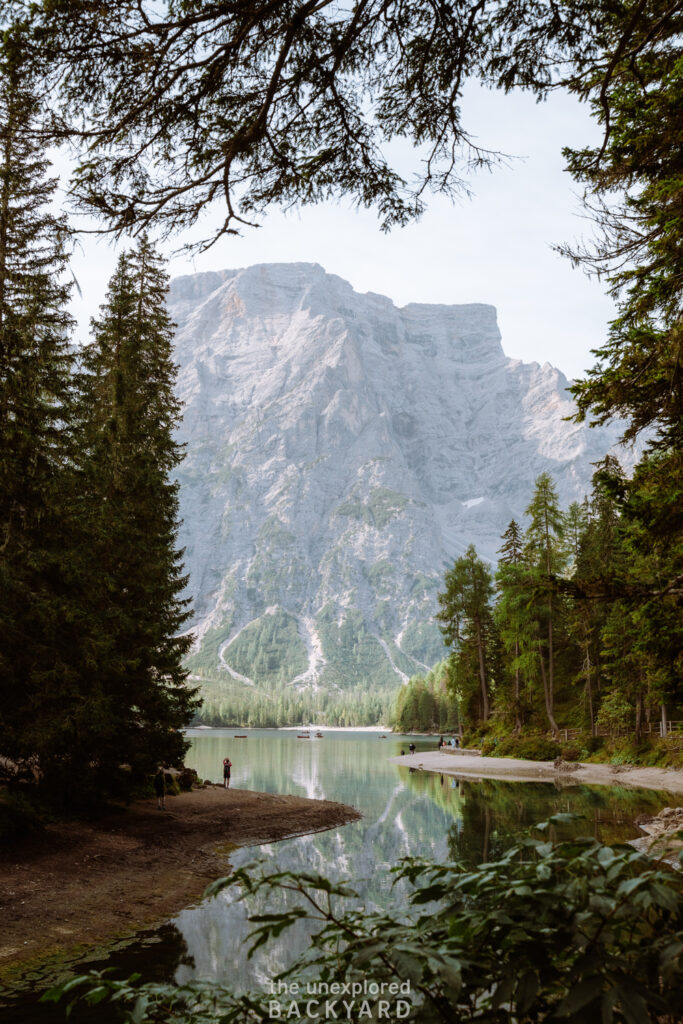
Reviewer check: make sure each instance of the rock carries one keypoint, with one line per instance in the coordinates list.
(667, 822)
(565, 766)
(187, 778)
(663, 837)
(340, 452)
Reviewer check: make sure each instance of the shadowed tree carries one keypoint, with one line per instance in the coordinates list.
(467, 619)
(511, 605)
(39, 604)
(128, 414)
(545, 558)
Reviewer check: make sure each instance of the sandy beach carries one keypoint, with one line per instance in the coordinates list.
(461, 763)
(81, 884)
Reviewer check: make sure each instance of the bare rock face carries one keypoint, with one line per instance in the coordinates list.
(341, 452)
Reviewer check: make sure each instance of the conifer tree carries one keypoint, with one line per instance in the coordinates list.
(130, 504)
(596, 564)
(511, 605)
(38, 691)
(467, 618)
(546, 558)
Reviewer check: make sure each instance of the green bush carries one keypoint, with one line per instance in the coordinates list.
(594, 744)
(570, 754)
(530, 747)
(18, 817)
(578, 932)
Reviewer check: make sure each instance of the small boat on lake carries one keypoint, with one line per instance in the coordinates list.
(318, 735)
(304, 736)
(239, 737)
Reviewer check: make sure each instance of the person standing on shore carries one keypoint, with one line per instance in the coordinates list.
(160, 789)
(227, 765)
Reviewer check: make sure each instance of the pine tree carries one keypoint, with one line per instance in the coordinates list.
(511, 605)
(545, 555)
(642, 636)
(467, 618)
(595, 565)
(130, 504)
(38, 695)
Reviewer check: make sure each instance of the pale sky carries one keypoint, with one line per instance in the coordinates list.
(493, 248)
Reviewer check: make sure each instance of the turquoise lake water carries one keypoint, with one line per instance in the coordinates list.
(404, 813)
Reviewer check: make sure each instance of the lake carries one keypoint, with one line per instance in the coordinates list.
(404, 814)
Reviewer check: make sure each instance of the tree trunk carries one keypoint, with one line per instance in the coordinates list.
(482, 673)
(589, 690)
(518, 711)
(551, 665)
(547, 694)
(550, 688)
(639, 716)
(663, 726)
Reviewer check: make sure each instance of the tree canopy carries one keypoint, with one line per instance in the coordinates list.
(173, 104)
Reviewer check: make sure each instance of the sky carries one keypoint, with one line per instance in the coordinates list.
(495, 247)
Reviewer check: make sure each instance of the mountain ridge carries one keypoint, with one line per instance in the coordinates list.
(341, 451)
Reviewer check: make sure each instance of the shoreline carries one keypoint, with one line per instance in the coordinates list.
(517, 770)
(293, 728)
(81, 885)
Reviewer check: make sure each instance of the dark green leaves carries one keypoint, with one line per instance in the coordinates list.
(548, 932)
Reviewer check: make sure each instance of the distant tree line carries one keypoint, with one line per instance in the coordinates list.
(426, 705)
(285, 705)
(92, 688)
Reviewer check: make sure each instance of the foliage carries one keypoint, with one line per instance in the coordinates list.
(423, 704)
(188, 102)
(545, 558)
(575, 931)
(423, 642)
(588, 630)
(633, 183)
(227, 703)
(616, 712)
(131, 574)
(19, 816)
(90, 672)
(382, 505)
(40, 605)
(468, 627)
(529, 746)
(351, 651)
(269, 650)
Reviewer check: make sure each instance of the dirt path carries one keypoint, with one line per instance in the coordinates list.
(82, 884)
(449, 762)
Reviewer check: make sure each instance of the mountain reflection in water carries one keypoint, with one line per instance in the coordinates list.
(404, 814)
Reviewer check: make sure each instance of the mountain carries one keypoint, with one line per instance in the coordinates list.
(341, 452)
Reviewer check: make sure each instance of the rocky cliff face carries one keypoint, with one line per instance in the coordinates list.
(341, 452)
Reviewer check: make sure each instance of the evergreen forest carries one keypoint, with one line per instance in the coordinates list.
(574, 643)
(93, 692)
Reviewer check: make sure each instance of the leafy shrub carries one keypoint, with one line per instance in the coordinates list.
(576, 932)
(531, 747)
(570, 753)
(616, 713)
(18, 817)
